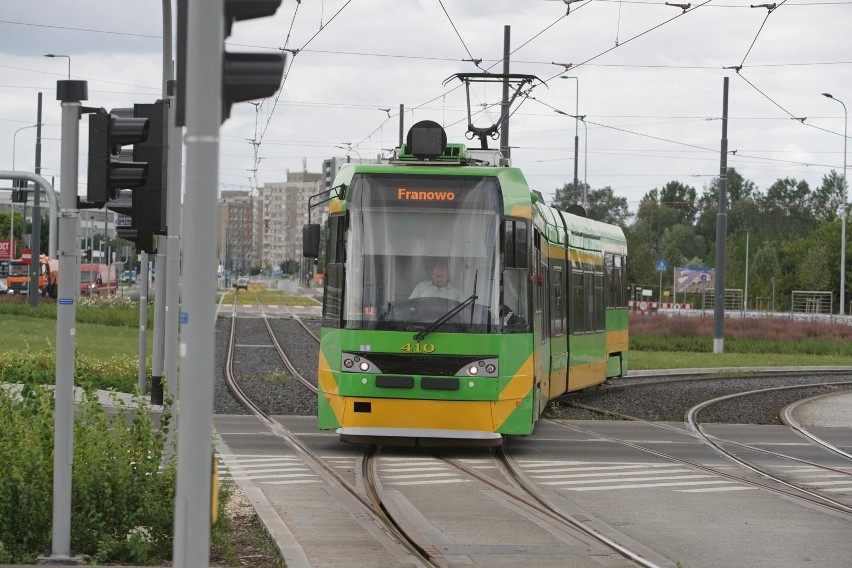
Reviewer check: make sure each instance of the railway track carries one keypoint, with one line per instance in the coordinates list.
(766, 478)
(372, 497)
(404, 527)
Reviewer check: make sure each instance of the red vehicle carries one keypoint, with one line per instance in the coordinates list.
(97, 279)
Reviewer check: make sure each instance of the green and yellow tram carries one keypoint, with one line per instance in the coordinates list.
(456, 302)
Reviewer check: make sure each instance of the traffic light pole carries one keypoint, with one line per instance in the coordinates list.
(198, 317)
(70, 93)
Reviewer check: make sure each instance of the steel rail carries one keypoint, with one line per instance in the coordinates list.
(664, 426)
(327, 472)
(692, 420)
(281, 353)
(788, 419)
(532, 498)
(730, 476)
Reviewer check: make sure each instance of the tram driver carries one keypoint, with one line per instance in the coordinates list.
(439, 286)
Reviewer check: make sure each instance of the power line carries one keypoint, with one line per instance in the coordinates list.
(472, 59)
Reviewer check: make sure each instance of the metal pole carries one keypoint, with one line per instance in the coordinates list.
(198, 318)
(143, 320)
(505, 150)
(161, 258)
(11, 203)
(843, 210)
(585, 163)
(35, 267)
(70, 93)
(745, 294)
(173, 239)
(401, 123)
(721, 232)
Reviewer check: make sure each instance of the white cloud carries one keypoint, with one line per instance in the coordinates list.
(649, 102)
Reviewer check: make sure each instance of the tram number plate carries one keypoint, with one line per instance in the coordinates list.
(418, 347)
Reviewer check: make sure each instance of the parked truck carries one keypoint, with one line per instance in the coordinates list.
(18, 280)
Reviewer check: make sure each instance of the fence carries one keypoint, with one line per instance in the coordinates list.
(812, 302)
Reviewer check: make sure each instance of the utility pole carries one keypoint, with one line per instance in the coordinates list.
(401, 124)
(35, 265)
(721, 232)
(505, 150)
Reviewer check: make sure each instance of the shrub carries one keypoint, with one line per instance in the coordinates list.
(122, 498)
(119, 372)
(106, 310)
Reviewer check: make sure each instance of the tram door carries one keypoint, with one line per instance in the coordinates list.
(541, 333)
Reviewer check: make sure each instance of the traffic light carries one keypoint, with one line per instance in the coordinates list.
(246, 75)
(150, 197)
(142, 238)
(249, 76)
(108, 132)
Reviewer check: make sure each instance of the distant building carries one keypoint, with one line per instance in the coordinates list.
(266, 230)
(235, 234)
(285, 211)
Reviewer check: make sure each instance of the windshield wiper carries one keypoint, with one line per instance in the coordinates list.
(444, 318)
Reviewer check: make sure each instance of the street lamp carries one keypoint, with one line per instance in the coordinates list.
(843, 212)
(576, 131)
(12, 204)
(58, 55)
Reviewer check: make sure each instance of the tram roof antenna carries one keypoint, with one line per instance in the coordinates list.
(467, 78)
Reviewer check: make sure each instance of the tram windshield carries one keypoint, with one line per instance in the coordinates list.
(418, 247)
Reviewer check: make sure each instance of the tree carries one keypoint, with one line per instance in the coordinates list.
(826, 200)
(786, 209)
(565, 196)
(605, 207)
(681, 198)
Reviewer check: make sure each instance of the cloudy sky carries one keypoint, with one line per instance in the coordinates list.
(649, 77)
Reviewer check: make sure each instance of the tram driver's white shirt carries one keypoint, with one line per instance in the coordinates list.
(429, 290)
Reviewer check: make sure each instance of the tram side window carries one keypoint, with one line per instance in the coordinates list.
(614, 268)
(600, 319)
(514, 311)
(515, 244)
(621, 264)
(578, 306)
(557, 322)
(589, 301)
(335, 272)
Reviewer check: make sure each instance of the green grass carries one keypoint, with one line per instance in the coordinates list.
(267, 297)
(22, 333)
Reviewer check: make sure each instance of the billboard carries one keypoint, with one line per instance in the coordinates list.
(7, 247)
(693, 278)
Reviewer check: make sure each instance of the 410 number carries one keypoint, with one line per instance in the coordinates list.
(418, 347)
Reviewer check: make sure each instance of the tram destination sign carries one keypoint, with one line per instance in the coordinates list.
(425, 192)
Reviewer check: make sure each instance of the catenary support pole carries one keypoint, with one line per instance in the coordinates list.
(505, 149)
(721, 232)
(198, 316)
(401, 124)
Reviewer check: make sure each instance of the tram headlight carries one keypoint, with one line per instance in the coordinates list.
(352, 363)
(486, 367)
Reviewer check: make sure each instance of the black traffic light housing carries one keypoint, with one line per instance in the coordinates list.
(150, 197)
(108, 132)
(142, 238)
(246, 75)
